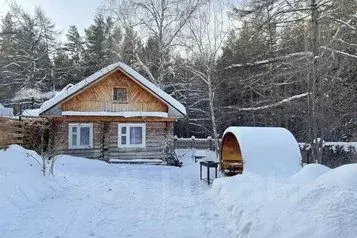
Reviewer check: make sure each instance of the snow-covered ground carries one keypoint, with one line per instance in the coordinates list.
(88, 198)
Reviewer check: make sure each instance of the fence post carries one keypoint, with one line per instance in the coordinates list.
(175, 142)
(192, 142)
(20, 112)
(210, 144)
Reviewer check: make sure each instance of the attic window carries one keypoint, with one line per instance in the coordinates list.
(120, 95)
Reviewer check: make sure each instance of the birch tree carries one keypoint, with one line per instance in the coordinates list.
(206, 36)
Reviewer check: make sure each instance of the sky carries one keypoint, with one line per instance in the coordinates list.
(62, 12)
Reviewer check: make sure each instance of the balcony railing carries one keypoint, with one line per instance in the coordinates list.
(112, 106)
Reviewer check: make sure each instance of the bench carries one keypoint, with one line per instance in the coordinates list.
(208, 164)
(232, 167)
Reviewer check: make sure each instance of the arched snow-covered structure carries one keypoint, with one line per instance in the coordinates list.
(267, 151)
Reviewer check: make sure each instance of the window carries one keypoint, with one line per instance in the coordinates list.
(131, 135)
(80, 135)
(120, 95)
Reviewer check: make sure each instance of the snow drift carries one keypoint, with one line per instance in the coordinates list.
(315, 202)
(21, 182)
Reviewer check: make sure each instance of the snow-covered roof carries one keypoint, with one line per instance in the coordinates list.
(271, 151)
(27, 93)
(31, 112)
(6, 112)
(159, 93)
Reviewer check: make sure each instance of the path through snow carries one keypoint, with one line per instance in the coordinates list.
(96, 199)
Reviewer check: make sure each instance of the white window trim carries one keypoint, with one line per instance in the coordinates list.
(78, 125)
(128, 125)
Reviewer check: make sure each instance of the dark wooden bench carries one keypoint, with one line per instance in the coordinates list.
(208, 164)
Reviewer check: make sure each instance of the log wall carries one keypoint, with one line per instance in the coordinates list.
(105, 140)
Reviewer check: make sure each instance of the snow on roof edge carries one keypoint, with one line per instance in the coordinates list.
(92, 78)
(31, 113)
(125, 114)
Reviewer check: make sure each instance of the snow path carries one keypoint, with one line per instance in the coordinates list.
(112, 200)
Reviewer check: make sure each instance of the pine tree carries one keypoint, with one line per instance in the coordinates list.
(8, 52)
(75, 45)
(34, 43)
(99, 43)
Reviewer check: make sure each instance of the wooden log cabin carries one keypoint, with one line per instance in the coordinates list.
(114, 115)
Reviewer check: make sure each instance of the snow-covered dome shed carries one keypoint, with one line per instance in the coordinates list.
(267, 151)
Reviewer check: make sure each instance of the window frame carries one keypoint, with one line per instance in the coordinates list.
(126, 98)
(128, 126)
(79, 126)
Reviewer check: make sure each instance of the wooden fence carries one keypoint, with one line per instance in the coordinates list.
(334, 153)
(11, 132)
(30, 133)
(193, 142)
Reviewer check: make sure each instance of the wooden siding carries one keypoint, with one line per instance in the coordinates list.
(105, 140)
(99, 97)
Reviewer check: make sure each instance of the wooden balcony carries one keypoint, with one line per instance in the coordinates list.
(112, 106)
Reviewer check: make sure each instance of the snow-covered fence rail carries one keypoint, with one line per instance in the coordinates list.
(193, 142)
(334, 153)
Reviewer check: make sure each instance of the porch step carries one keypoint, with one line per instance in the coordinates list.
(135, 161)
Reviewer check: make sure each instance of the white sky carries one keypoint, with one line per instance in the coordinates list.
(62, 12)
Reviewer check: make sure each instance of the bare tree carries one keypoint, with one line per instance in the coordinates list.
(207, 33)
(163, 20)
(320, 61)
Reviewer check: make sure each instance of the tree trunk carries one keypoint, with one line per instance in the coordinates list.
(213, 115)
(316, 145)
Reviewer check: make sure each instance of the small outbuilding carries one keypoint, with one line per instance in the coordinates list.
(271, 151)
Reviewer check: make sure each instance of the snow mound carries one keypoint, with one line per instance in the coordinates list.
(17, 160)
(309, 173)
(344, 177)
(21, 181)
(256, 206)
(78, 165)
